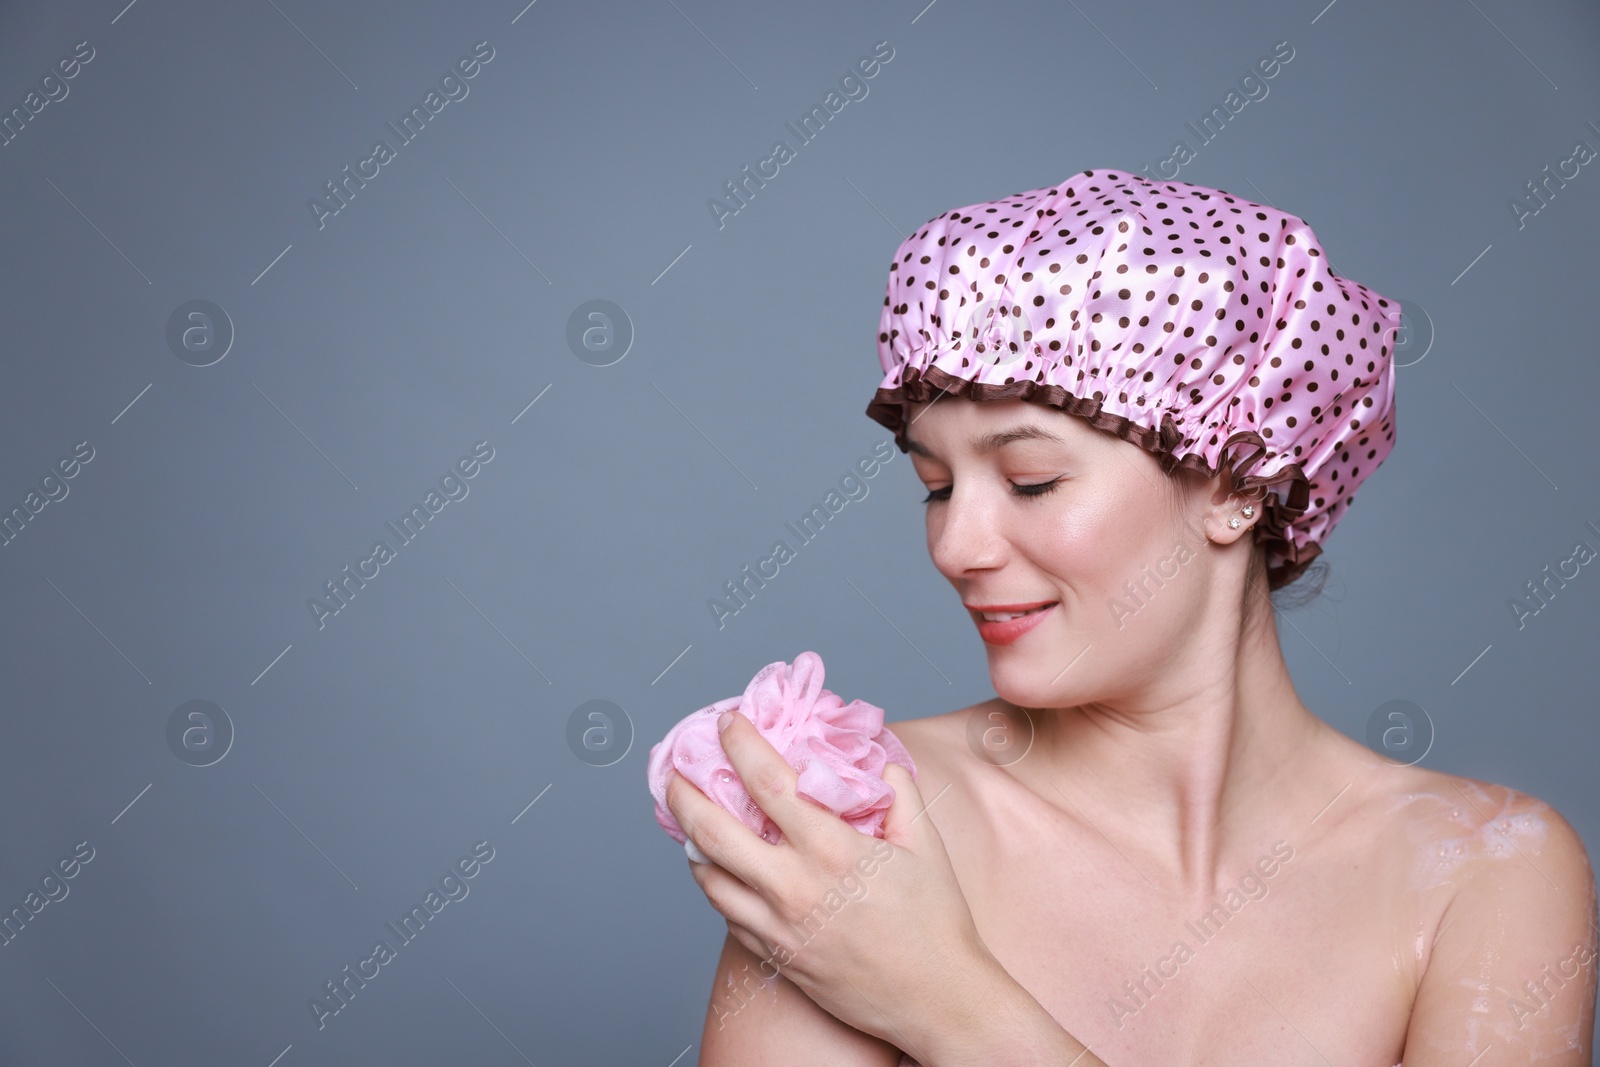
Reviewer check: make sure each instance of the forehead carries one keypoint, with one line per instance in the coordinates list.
(986, 426)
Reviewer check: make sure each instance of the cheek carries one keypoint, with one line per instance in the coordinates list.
(1118, 560)
(1093, 538)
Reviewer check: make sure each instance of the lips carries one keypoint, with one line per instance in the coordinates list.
(1004, 632)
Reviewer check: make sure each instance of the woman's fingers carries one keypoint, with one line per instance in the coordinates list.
(906, 821)
(721, 838)
(771, 783)
(730, 896)
(757, 947)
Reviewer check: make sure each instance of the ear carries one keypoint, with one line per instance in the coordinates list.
(1226, 521)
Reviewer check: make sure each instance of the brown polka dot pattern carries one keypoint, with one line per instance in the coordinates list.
(1194, 323)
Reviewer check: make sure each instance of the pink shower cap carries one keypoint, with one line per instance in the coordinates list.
(839, 750)
(1191, 322)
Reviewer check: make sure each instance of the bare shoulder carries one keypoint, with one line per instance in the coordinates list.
(959, 750)
(924, 735)
(1511, 959)
(1489, 859)
(937, 742)
(1474, 828)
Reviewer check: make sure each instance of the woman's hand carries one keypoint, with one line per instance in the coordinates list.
(876, 932)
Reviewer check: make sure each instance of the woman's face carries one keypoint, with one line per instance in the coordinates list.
(1028, 506)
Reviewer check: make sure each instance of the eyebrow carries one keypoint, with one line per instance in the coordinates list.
(994, 440)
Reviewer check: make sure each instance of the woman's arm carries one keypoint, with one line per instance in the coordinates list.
(1513, 962)
(877, 935)
(771, 1023)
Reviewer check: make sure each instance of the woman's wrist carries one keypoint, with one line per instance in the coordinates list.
(992, 1021)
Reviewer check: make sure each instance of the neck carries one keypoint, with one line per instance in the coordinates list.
(1189, 774)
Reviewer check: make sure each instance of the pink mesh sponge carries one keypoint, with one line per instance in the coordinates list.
(839, 750)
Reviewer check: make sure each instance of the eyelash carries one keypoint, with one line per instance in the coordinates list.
(1028, 492)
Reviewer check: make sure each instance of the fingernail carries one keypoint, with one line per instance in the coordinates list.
(695, 855)
(723, 720)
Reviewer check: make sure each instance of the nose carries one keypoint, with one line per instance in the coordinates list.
(965, 533)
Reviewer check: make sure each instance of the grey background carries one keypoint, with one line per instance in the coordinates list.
(433, 309)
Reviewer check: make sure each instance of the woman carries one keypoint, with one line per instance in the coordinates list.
(1138, 409)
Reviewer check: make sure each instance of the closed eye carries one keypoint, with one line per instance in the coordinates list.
(1037, 489)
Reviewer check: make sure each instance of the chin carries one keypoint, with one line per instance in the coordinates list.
(1039, 676)
(1034, 681)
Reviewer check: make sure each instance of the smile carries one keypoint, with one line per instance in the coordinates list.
(1001, 624)
(1006, 616)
